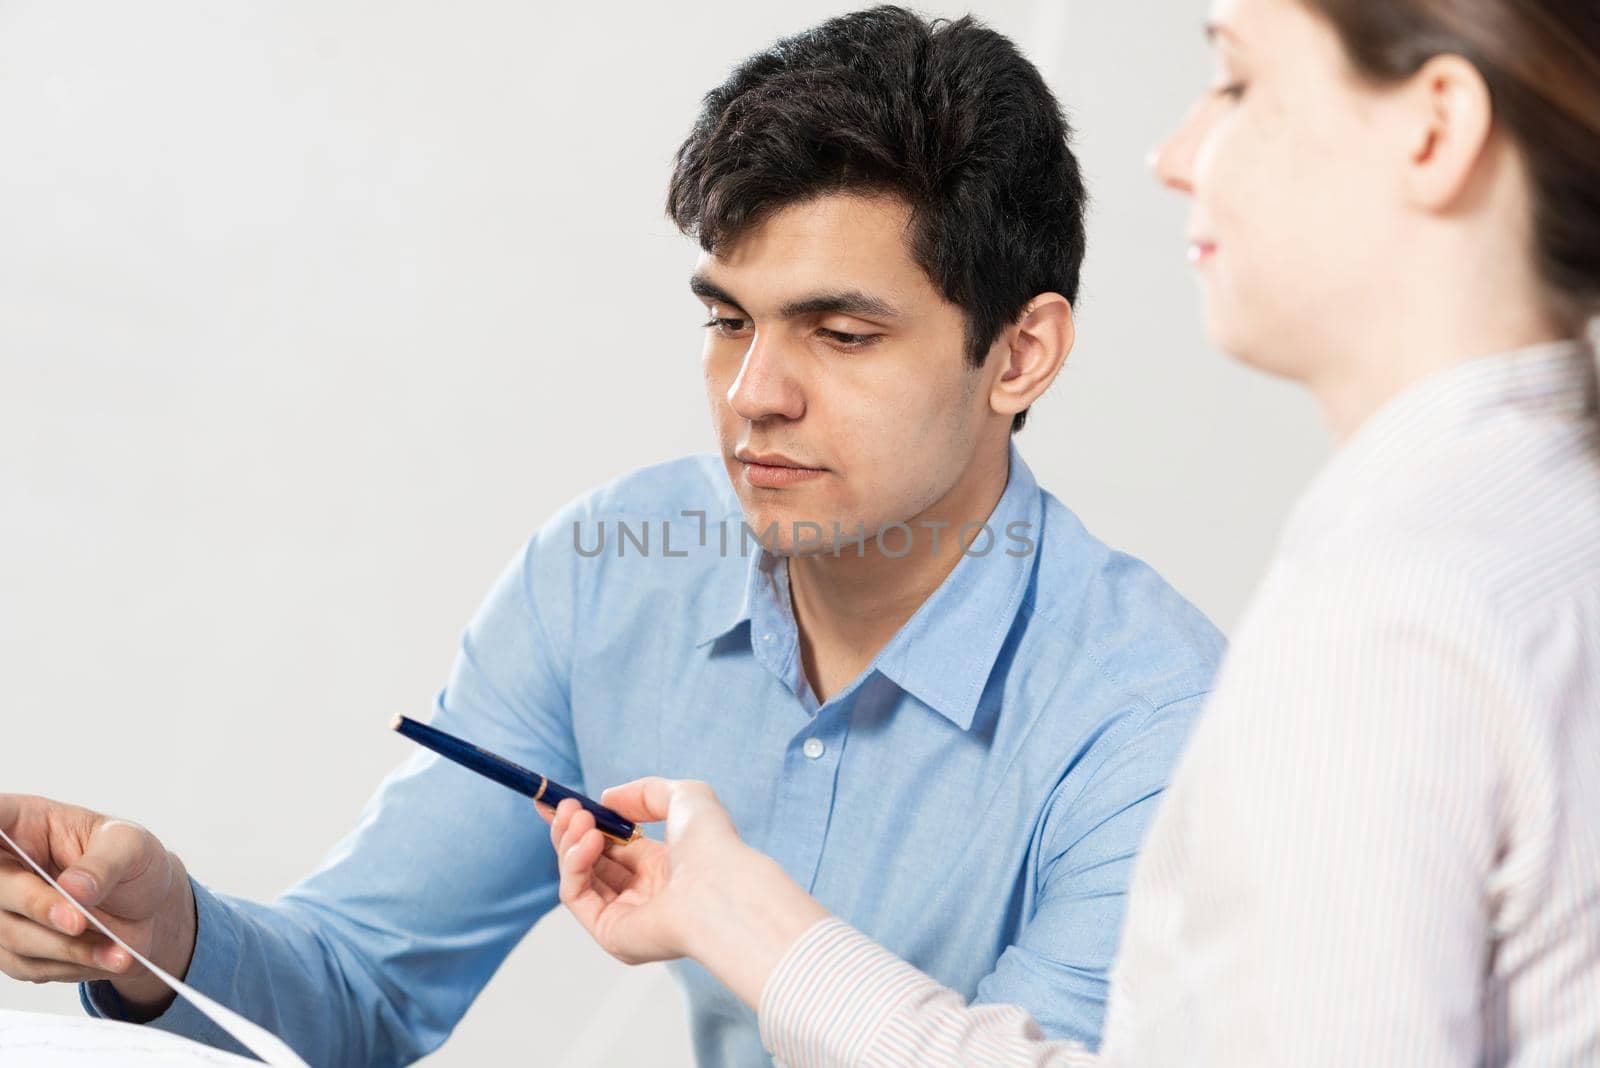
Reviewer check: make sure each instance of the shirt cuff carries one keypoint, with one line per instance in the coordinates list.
(211, 972)
(830, 995)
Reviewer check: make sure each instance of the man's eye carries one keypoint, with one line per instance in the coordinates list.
(726, 326)
(852, 341)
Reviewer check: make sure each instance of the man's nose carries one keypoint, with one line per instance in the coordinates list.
(766, 385)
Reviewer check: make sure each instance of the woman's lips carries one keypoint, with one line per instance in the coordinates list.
(775, 476)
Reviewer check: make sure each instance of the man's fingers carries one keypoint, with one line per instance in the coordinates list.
(34, 970)
(25, 894)
(117, 850)
(10, 809)
(642, 800)
(24, 938)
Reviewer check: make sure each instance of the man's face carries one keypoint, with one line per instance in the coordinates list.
(836, 374)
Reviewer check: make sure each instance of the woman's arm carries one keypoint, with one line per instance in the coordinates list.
(825, 993)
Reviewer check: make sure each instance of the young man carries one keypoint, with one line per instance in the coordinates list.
(914, 678)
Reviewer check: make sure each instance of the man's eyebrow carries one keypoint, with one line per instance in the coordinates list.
(843, 302)
(706, 289)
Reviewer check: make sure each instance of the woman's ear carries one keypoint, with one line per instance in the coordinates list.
(1035, 347)
(1447, 117)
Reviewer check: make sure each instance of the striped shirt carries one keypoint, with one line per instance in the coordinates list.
(1382, 845)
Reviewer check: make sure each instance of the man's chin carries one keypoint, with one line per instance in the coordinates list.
(783, 532)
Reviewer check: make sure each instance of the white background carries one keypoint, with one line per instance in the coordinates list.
(311, 312)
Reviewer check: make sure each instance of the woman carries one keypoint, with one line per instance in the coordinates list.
(1381, 846)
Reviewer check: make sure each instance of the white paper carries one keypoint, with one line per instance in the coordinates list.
(37, 1040)
(258, 1040)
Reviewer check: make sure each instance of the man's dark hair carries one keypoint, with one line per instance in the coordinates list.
(945, 114)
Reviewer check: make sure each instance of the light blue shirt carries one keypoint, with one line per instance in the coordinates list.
(973, 799)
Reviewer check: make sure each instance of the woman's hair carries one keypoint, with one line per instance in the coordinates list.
(1541, 62)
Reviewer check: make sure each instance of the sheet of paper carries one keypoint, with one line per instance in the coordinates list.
(258, 1040)
(37, 1040)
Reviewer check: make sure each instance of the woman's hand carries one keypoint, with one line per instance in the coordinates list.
(704, 894)
(641, 901)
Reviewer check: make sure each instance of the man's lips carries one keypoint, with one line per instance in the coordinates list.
(772, 470)
(770, 459)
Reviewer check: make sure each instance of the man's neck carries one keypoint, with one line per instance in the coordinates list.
(847, 607)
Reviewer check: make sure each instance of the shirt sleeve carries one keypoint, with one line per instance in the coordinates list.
(1059, 966)
(837, 999)
(373, 958)
(1322, 892)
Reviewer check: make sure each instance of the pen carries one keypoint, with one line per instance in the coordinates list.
(515, 776)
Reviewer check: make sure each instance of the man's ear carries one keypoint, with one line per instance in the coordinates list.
(1032, 352)
(1447, 118)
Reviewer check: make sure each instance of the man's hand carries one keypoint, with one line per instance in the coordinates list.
(704, 894)
(117, 870)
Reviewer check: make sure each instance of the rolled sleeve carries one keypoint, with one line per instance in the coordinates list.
(211, 972)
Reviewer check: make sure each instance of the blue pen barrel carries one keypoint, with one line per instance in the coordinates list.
(609, 823)
(513, 776)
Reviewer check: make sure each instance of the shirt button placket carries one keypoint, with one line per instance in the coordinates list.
(805, 798)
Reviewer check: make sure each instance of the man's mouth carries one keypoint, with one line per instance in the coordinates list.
(774, 470)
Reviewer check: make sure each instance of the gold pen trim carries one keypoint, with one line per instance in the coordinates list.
(543, 782)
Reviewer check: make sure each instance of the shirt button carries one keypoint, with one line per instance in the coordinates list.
(813, 748)
(766, 637)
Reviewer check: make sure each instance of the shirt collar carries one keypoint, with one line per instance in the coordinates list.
(731, 615)
(944, 653)
(1550, 378)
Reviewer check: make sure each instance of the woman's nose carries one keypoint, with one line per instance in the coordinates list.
(1172, 161)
